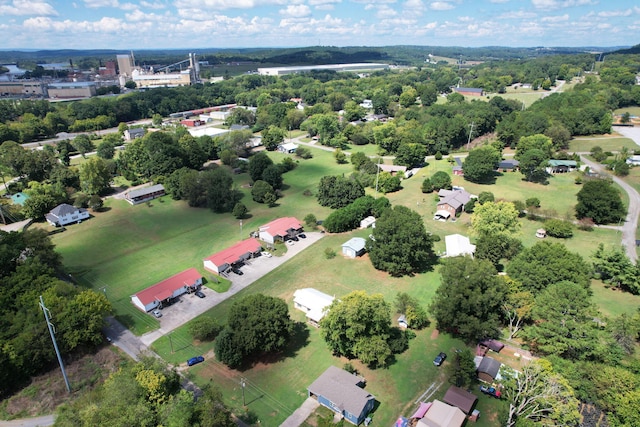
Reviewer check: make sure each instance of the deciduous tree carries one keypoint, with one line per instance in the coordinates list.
(495, 219)
(600, 200)
(480, 164)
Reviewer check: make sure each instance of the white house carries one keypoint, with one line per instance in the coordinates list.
(354, 247)
(131, 134)
(66, 214)
(369, 221)
(289, 147)
(458, 245)
(152, 297)
(313, 302)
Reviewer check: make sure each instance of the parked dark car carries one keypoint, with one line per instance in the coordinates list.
(237, 271)
(294, 238)
(200, 294)
(195, 360)
(440, 358)
(302, 236)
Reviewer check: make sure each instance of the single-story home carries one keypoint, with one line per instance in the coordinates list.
(460, 398)
(457, 168)
(288, 147)
(458, 245)
(222, 261)
(471, 91)
(440, 414)
(354, 247)
(451, 202)
(369, 221)
(508, 165)
(488, 369)
(313, 302)
(342, 392)
(634, 160)
(280, 229)
(66, 214)
(131, 134)
(141, 195)
(561, 166)
(152, 297)
(393, 169)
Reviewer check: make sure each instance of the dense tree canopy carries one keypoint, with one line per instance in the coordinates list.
(480, 164)
(257, 324)
(400, 243)
(338, 191)
(495, 219)
(546, 263)
(467, 303)
(600, 200)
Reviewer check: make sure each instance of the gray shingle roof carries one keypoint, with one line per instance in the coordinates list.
(341, 388)
(489, 366)
(65, 209)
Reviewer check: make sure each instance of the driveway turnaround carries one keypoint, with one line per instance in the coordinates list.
(189, 306)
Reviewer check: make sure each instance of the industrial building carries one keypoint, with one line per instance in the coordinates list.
(72, 90)
(161, 77)
(23, 88)
(281, 71)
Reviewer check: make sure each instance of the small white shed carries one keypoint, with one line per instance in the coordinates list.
(354, 247)
(369, 221)
(313, 302)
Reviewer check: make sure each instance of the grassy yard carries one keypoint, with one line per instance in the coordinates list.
(127, 248)
(606, 142)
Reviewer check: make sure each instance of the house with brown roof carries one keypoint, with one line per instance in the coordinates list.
(460, 398)
(343, 393)
(222, 261)
(153, 296)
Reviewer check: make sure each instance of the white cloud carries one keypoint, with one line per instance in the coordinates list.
(441, 5)
(139, 16)
(230, 4)
(25, 8)
(385, 12)
(614, 13)
(318, 3)
(559, 4)
(498, 1)
(559, 18)
(152, 5)
(101, 3)
(521, 14)
(296, 11)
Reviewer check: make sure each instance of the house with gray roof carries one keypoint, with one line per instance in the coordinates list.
(66, 214)
(451, 202)
(343, 393)
(144, 194)
(488, 369)
(354, 247)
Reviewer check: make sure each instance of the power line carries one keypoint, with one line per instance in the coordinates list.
(55, 344)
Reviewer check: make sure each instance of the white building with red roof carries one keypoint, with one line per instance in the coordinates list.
(280, 229)
(222, 261)
(174, 286)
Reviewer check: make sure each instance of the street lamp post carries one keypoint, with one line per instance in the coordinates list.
(242, 383)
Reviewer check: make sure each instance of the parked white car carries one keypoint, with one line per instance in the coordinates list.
(266, 254)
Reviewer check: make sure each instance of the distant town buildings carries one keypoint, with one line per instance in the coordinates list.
(281, 71)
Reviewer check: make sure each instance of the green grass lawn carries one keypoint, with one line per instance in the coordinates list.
(613, 302)
(606, 142)
(634, 111)
(128, 248)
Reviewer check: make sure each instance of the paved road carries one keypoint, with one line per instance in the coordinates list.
(631, 222)
(46, 420)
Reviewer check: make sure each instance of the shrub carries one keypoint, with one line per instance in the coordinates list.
(438, 155)
(311, 221)
(303, 153)
(329, 253)
(427, 186)
(532, 202)
(204, 328)
(486, 196)
(558, 228)
(586, 224)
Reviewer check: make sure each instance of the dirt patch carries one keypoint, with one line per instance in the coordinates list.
(46, 392)
(435, 334)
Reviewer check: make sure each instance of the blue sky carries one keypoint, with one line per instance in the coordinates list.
(138, 24)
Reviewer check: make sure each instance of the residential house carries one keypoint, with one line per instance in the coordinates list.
(342, 392)
(354, 247)
(508, 165)
(289, 148)
(439, 414)
(66, 214)
(393, 169)
(458, 245)
(134, 133)
(239, 253)
(451, 202)
(154, 296)
(460, 398)
(469, 91)
(141, 195)
(312, 302)
(488, 369)
(561, 166)
(280, 230)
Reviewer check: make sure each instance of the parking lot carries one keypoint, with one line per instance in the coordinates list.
(189, 306)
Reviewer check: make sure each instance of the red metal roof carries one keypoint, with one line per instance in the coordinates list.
(233, 253)
(163, 290)
(280, 226)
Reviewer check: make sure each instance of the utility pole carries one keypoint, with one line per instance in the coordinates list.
(242, 383)
(170, 342)
(378, 173)
(470, 133)
(241, 229)
(52, 332)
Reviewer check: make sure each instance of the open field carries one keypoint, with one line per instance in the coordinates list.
(612, 302)
(611, 143)
(634, 111)
(128, 248)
